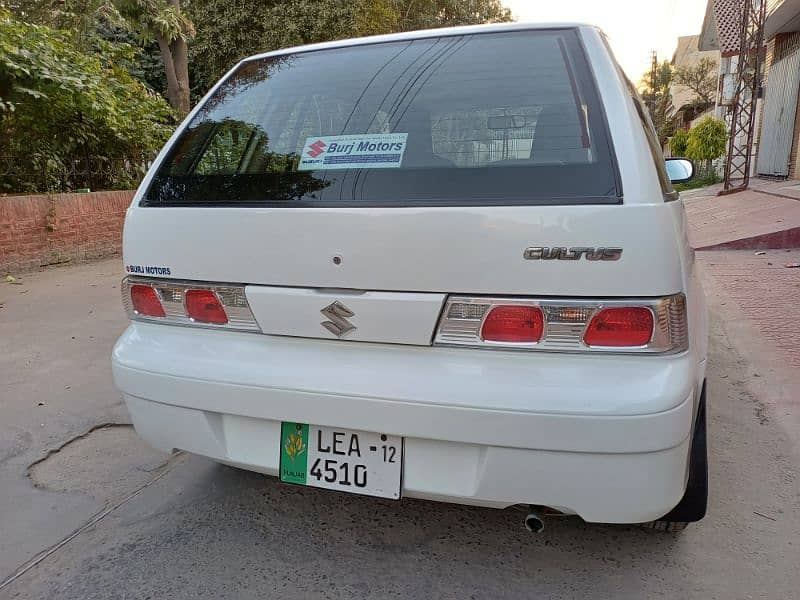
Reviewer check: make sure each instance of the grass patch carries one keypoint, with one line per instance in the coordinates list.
(698, 181)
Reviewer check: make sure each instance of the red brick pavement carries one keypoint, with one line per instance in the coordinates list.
(765, 291)
(750, 219)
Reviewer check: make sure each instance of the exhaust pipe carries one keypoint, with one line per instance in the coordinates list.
(533, 522)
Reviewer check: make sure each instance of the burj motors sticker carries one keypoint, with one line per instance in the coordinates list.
(367, 151)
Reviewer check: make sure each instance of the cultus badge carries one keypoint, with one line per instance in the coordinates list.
(575, 253)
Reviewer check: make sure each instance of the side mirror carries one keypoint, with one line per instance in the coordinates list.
(679, 169)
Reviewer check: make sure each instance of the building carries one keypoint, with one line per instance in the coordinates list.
(776, 147)
(686, 106)
(780, 126)
(721, 31)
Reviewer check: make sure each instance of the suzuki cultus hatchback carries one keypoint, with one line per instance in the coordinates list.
(444, 264)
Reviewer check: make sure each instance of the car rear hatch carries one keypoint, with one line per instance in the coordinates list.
(354, 189)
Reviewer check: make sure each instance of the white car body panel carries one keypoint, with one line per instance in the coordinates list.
(457, 407)
(390, 317)
(387, 248)
(602, 436)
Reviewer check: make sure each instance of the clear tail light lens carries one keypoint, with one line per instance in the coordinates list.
(203, 306)
(146, 302)
(219, 306)
(560, 325)
(622, 326)
(513, 324)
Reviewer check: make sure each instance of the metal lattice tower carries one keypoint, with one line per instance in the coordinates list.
(748, 80)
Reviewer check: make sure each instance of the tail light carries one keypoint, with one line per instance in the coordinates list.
(545, 324)
(513, 324)
(621, 326)
(146, 302)
(187, 303)
(203, 306)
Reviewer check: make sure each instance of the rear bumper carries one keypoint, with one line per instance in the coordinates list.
(604, 437)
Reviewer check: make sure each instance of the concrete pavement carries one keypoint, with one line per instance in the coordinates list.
(56, 332)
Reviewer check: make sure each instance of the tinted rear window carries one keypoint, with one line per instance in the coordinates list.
(500, 118)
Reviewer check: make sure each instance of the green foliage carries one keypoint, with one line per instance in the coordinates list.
(75, 15)
(90, 21)
(152, 18)
(60, 105)
(707, 140)
(430, 14)
(228, 31)
(698, 181)
(678, 142)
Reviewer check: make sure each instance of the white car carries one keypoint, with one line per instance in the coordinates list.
(444, 264)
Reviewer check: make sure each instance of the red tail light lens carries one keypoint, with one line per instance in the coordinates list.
(515, 324)
(204, 307)
(620, 326)
(146, 301)
(175, 302)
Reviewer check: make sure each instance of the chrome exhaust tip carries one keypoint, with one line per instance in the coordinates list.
(534, 523)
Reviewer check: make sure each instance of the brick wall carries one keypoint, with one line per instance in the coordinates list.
(42, 230)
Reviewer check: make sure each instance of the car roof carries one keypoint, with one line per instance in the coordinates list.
(422, 34)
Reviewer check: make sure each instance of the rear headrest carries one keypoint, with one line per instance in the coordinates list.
(557, 137)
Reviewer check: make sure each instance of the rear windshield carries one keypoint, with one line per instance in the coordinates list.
(500, 118)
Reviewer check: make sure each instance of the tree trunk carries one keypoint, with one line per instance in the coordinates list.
(180, 61)
(175, 55)
(169, 70)
(176, 68)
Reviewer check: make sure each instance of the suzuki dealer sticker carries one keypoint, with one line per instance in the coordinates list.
(367, 151)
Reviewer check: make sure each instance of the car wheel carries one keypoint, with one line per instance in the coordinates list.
(665, 526)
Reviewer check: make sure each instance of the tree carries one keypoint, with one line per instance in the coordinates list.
(164, 21)
(60, 105)
(91, 22)
(655, 93)
(706, 141)
(700, 79)
(229, 31)
(678, 142)
(429, 14)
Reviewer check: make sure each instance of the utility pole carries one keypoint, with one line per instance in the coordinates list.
(743, 112)
(651, 101)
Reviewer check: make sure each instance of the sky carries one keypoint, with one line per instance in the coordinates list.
(634, 27)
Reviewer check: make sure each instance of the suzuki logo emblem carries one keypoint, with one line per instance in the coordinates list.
(338, 324)
(317, 148)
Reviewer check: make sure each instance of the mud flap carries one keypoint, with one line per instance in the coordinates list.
(692, 506)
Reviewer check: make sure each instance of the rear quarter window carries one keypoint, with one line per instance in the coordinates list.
(493, 118)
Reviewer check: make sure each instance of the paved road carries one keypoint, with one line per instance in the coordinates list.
(181, 527)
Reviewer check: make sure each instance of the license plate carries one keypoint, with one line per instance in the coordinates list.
(359, 462)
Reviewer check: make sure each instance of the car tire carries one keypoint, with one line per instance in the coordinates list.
(665, 526)
(694, 503)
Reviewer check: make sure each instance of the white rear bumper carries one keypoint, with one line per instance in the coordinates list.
(601, 436)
